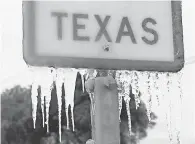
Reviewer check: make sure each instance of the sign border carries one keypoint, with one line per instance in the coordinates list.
(31, 58)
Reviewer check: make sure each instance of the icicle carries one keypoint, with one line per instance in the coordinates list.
(149, 103)
(92, 99)
(82, 73)
(163, 91)
(127, 101)
(72, 114)
(69, 84)
(169, 124)
(123, 79)
(168, 115)
(50, 81)
(120, 98)
(42, 106)
(172, 113)
(42, 109)
(37, 74)
(175, 97)
(47, 105)
(135, 86)
(67, 117)
(61, 79)
(142, 84)
(147, 87)
(59, 82)
(46, 81)
(120, 91)
(156, 87)
(180, 74)
(168, 82)
(91, 73)
(34, 94)
(137, 96)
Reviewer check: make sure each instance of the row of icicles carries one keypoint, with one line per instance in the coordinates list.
(149, 84)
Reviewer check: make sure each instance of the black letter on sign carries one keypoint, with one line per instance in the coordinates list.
(129, 32)
(59, 16)
(77, 26)
(149, 30)
(102, 30)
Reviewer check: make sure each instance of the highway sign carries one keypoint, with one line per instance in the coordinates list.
(131, 35)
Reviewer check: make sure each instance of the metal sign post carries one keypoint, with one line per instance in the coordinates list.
(105, 112)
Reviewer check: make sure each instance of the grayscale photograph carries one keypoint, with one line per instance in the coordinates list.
(97, 72)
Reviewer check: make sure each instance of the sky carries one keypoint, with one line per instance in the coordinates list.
(13, 69)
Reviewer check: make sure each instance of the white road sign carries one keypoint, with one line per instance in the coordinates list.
(134, 35)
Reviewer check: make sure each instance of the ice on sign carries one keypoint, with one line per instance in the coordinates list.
(106, 101)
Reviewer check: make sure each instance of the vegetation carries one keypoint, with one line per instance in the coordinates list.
(17, 123)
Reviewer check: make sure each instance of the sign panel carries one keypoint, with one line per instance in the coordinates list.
(133, 35)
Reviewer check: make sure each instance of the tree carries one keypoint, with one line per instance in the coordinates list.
(17, 124)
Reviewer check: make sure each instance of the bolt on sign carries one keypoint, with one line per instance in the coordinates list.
(131, 35)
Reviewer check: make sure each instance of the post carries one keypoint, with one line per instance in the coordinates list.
(105, 120)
